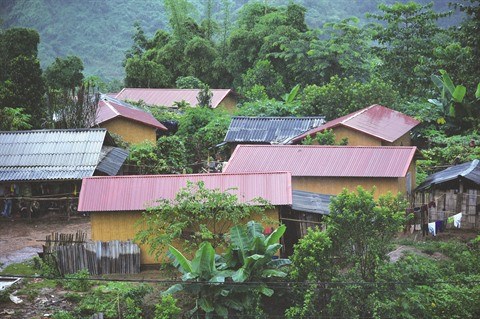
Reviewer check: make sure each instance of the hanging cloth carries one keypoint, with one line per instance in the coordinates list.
(457, 220)
(432, 229)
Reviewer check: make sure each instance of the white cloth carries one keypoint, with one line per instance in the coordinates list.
(457, 220)
(432, 229)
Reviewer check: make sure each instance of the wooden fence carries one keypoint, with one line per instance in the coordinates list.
(73, 254)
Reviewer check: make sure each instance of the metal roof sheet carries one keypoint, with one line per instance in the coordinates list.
(112, 160)
(135, 193)
(376, 120)
(50, 154)
(323, 161)
(311, 202)
(269, 129)
(167, 97)
(469, 171)
(110, 108)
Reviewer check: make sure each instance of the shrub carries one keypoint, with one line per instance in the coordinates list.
(167, 308)
(79, 281)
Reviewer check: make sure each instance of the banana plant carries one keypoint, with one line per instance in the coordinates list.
(203, 279)
(451, 94)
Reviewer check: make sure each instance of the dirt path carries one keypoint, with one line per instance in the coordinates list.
(19, 237)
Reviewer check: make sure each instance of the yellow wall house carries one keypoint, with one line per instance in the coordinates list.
(116, 204)
(131, 123)
(225, 99)
(375, 125)
(330, 169)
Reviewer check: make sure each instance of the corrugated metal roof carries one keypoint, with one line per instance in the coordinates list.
(110, 108)
(376, 120)
(112, 160)
(269, 129)
(469, 171)
(167, 97)
(135, 193)
(50, 154)
(311, 202)
(323, 161)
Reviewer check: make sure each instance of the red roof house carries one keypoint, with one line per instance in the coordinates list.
(116, 204)
(168, 97)
(134, 125)
(375, 125)
(329, 169)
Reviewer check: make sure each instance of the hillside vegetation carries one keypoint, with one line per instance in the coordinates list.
(100, 32)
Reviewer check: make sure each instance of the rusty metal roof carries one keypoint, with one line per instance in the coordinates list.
(135, 193)
(50, 154)
(323, 161)
(167, 97)
(110, 108)
(375, 120)
(269, 129)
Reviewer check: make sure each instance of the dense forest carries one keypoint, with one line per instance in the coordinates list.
(100, 31)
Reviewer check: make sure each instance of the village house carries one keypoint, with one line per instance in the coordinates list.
(329, 169)
(132, 124)
(268, 130)
(41, 170)
(115, 204)
(451, 191)
(221, 98)
(375, 125)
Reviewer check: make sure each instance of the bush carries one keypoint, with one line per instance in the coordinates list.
(62, 315)
(167, 308)
(79, 281)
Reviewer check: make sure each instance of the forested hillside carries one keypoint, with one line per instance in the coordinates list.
(100, 31)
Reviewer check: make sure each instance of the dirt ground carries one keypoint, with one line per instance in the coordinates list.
(20, 239)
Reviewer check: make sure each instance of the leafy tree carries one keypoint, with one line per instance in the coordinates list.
(196, 214)
(204, 97)
(188, 82)
(172, 155)
(353, 248)
(326, 137)
(342, 96)
(144, 157)
(406, 44)
(12, 119)
(263, 74)
(64, 74)
(248, 260)
(142, 72)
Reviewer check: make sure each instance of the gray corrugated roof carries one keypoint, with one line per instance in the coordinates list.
(269, 129)
(311, 202)
(469, 171)
(112, 160)
(50, 154)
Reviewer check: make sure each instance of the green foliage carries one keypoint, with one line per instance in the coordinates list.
(64, 74)
(248, 260)
(115, 300)
(326, 137)
(144, 157)
(204, 97)
(405, 41)
(78, 281)
(167, 308)
(263, 73)
(188, 82)
(62, 314)
(342, 96)
(197, 214)
(12, 119)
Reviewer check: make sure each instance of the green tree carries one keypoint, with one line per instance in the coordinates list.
(342, 96)
(188, 82)
(406, 44)
(197, 214)
(12, 119)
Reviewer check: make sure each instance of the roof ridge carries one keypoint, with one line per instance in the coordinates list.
(472, 166)
(191, 175)
(359, 112)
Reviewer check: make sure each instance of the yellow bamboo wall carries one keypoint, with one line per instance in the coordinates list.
(107, 226)
(335, 185)
(131, 131)
(228, 104)
(355, 138)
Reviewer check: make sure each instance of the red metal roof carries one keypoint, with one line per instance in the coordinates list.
(135, 193)
(323, 161)
(167, 97)
(109, 108)
(376, 120)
